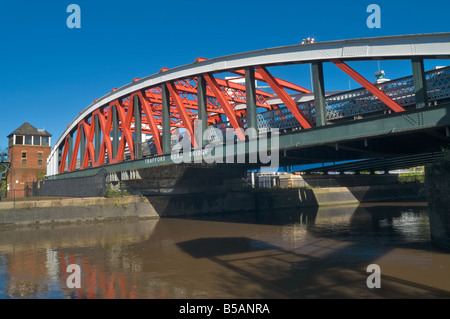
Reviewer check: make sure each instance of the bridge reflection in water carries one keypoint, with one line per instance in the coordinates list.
(321, 253)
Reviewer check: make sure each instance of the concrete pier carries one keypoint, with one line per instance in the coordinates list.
(438, 191)
(74, 210)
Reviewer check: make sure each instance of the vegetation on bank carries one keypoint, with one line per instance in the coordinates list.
(415, 175)
(115, 192)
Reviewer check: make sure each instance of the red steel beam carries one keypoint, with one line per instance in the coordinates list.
(151, 121)
(280, 82)
(186, 86)
(105, 126)
(190, 104)
(73, 160)
(89, 151)
(182, 111)
(284, 96)
(241, 87)
(225, 83)
(127, 137)
(62, 166)
(223, 101)
(369, 86)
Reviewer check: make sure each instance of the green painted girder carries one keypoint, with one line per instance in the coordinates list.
(408, 121)
(381, 126)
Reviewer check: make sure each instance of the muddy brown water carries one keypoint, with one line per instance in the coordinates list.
(316, 253)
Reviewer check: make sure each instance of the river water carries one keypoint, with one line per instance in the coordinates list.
(317, 253)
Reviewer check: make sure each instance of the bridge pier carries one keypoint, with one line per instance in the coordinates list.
(185, 179)
(438, 191)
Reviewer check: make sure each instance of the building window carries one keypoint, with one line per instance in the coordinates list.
(19, 140)
(45, 141)
(24, 159)
(40, 157)
(27, 139)
(36, 140)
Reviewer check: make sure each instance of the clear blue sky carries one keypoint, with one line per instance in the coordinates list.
(48, 72)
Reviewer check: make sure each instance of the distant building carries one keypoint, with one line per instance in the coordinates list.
(28, 149)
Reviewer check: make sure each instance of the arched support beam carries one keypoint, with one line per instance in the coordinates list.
(150, 116)
(368, 86)
(220, 96)
(127, 137)
(62, 165)
(284, 96)
(182, 111)
(106, 145)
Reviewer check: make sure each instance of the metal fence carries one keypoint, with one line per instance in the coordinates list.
(86, 186)
(26, 190)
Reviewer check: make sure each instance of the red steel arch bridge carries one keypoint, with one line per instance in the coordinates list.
(132, 127)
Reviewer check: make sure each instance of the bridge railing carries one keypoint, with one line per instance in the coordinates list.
(438, 84)
(358, 102)
(282, 118)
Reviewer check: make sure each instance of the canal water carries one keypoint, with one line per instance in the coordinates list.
(317, 253)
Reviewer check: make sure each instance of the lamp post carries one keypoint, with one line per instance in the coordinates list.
(14, 191)
(309, 41)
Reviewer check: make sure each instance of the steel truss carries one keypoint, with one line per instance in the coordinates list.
(111, 130)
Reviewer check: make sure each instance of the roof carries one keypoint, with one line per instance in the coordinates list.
(28, 129)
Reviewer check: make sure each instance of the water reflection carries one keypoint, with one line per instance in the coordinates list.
(396, 224)
(35, 260)
(318, 253)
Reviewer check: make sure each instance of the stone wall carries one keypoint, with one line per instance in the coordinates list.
(74, 210)
(204, 200)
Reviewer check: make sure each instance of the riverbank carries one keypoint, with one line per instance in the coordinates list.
(96, 209)
(74, 210)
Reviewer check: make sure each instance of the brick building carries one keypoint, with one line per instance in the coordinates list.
(28, 149)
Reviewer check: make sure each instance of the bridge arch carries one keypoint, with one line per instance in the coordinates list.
(110, 129)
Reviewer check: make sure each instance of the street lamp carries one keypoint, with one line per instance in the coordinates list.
(308, 40)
